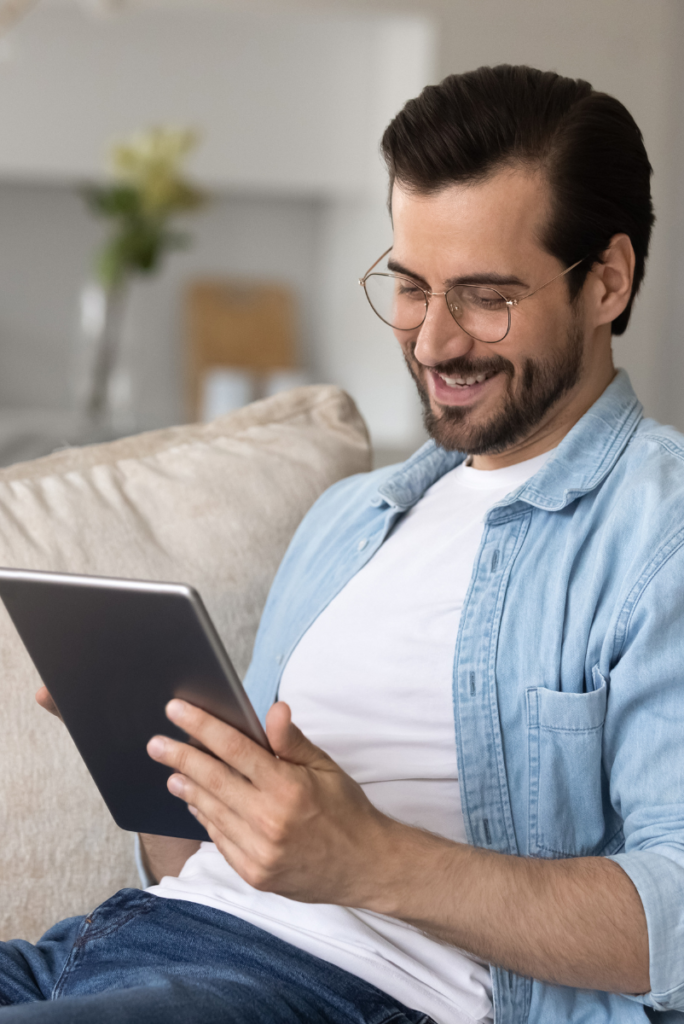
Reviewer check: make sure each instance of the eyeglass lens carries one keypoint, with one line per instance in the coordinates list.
(482, 312)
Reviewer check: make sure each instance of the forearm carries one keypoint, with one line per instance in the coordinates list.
(577, 922)
(166, 855)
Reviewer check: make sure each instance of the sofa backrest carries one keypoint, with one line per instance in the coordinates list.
(213, 505)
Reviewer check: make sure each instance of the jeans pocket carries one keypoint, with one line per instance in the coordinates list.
(565, 739)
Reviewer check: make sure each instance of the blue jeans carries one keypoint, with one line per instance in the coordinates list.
(140, 958)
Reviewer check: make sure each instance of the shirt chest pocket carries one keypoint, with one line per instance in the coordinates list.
(567, 789)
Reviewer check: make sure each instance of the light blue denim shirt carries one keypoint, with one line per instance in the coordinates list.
(568, 683)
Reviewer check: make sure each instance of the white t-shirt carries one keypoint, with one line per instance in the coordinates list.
(371, 683)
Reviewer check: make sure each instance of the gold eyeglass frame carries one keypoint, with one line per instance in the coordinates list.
(429, 294)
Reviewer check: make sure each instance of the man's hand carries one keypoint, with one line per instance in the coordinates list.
(294, 824)
(297, 825)
(45, 700)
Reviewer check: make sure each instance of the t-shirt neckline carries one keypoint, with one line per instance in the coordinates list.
(508, 476)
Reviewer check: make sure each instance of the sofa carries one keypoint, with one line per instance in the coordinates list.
(213, 505)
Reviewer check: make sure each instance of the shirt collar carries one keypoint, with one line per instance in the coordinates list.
(582, 460)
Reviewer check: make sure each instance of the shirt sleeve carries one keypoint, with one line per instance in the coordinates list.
(644, 751)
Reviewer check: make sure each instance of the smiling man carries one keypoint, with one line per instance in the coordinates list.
(479, 813)
(481, 241)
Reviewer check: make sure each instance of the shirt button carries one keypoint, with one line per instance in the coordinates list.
(361, 545)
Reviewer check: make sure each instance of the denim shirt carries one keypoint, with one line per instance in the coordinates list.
(568, 672)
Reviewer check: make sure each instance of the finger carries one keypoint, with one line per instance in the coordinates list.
(44, 699)
(290, 743)
(233, 834)
(212, 808)
(235, 857)
(227, 743)
(203, 769)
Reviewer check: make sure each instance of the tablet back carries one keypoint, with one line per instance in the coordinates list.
(112, 653)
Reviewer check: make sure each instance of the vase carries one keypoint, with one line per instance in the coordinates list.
(103, 383)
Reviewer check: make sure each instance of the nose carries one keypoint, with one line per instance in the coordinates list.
(440, 338)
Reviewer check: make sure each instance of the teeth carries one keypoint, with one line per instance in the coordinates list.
(453, 382)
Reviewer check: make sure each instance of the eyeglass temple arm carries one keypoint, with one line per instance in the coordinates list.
(529, 294)
(379, 259)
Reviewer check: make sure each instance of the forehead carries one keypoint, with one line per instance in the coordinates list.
(492, 225)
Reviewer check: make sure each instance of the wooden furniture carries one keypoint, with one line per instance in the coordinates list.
(238, 324)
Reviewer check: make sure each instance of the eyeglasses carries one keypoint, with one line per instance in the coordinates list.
(482, 312)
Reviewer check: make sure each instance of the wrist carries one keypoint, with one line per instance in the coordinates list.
(408, 864)
(165, 855)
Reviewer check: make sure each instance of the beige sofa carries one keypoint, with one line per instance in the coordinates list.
(213, 505)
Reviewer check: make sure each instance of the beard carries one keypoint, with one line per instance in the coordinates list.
(531, 392)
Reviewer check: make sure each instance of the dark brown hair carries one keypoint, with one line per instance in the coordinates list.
(586, 142)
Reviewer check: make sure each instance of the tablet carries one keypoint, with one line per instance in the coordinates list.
(112, 653)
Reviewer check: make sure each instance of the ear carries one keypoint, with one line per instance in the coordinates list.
(610, 282)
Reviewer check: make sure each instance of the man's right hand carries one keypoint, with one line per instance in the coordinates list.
(45, 700)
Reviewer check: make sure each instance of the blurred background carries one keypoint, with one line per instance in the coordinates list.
(288, 101)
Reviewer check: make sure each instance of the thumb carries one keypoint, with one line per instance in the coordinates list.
(44, 699)
(289, 742)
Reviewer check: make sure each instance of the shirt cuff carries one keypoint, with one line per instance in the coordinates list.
(659, 880)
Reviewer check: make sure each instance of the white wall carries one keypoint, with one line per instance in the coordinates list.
(275, 98)
(668, 373)
(357, 350)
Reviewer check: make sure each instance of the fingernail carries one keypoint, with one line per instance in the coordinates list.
(175, 708)
(176, 785)
(156, 746)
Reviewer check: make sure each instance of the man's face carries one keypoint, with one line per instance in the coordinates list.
(487, 233)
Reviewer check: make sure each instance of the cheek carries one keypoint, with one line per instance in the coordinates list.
(536, 332)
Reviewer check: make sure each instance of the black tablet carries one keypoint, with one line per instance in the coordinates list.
(112, 653)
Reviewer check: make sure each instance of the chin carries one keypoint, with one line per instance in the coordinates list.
(454, 430)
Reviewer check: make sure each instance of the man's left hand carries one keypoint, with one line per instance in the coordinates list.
(294, 824)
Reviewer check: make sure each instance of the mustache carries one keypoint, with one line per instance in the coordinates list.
(463, 366)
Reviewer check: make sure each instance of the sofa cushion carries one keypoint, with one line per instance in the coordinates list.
(213, 505)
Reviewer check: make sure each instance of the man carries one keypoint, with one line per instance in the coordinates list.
(481, 817)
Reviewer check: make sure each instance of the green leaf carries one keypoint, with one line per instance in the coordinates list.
(113, 200)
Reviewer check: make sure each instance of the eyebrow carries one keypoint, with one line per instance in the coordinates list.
(490, 278)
